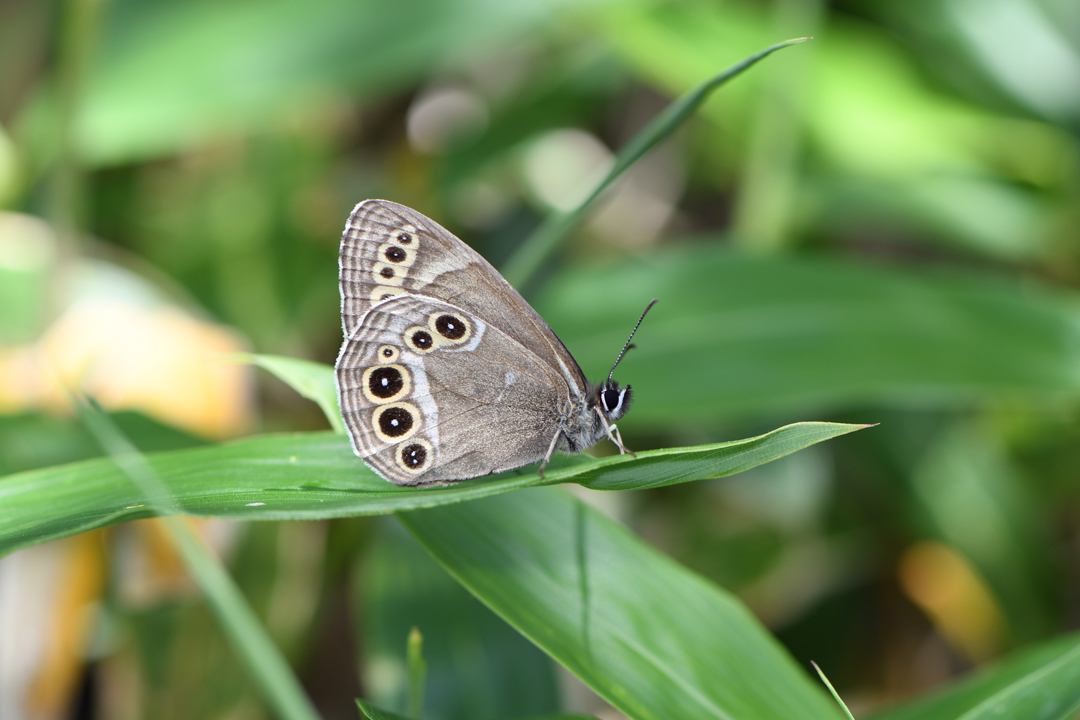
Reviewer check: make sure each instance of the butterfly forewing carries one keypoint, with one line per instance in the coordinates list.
(389, 250)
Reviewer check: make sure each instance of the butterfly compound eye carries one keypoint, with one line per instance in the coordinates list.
(610, 399)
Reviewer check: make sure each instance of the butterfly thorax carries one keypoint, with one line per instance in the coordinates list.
(582, 425)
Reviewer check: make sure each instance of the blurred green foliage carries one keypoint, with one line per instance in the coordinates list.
(882, 225)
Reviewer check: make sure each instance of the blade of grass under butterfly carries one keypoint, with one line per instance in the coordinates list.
(279, 686)
(541, 243)
(306, 476)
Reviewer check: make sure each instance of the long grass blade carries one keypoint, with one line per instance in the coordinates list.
(544, 241)
(271, 673)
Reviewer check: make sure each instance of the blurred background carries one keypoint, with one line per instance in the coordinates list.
(881, 225)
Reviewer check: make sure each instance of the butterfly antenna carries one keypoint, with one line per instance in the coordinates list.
(627, 346)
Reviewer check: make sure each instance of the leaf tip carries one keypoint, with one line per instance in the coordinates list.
(240, 358)
(832, 690)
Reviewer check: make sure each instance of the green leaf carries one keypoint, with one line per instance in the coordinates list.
(477, 665)
(315, 475)
(650, 637)
(1041, 683)
(748, 336)
(171, 75)
(280, 688)
(313, 380)
(547, 237)
(832, 691)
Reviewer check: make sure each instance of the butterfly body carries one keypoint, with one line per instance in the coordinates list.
(446, 373)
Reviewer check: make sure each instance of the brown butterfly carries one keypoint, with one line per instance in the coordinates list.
(446, 373)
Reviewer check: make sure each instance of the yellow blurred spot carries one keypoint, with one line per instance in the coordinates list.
(76, 595)
(945, 586)
(120, 342)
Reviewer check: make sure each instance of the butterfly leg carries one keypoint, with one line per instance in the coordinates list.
(619, 442)
(550, 452)
(614, 435)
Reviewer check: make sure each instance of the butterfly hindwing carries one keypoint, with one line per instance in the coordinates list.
(432, 393)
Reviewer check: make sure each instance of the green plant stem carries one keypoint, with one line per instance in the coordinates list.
(417, 674)
(249, 639)
(832, 690)
(546, 239)
(80, 24)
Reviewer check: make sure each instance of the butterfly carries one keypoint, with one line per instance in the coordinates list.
(446, 373)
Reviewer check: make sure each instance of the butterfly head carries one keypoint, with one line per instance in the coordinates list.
(613, 400)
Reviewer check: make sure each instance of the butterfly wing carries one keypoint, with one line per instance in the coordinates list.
(432, 393)
(389, 250)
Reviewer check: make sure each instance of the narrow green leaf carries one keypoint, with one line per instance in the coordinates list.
(268, 668)
(538, 246)
(1041, 683)
(832, 690)
(652, 638)
(312, 380)
(315, 475)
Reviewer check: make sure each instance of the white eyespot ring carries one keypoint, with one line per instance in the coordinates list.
(396, 422)
(395, 254)
(452, 328)
(421, 340)
(415, 456)
(387, 274)
(386, 383)
(385, 292)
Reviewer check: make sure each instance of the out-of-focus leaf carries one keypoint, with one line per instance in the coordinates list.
(174, 74)
(310, 379)
(735, 336)
(869, 117)
(31, 441)
(477, 665)
(280, 688)
(1041, 683)
(653, 639)
(315, 475)
(558, 225)
(973, 499)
